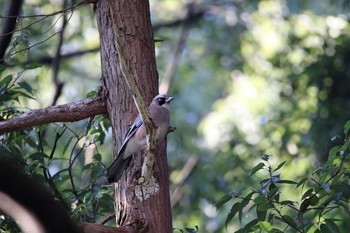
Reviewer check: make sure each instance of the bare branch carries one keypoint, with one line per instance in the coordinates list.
(56, 60)
(62, 113)
(47, 60)
(176, 55)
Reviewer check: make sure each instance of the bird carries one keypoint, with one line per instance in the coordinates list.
(135, 138)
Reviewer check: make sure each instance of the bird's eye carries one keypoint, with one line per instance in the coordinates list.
(161, 100)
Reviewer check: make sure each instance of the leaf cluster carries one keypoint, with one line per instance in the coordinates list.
(58, 160)
(321, 207)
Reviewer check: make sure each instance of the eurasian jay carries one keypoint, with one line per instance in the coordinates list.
(135, 138)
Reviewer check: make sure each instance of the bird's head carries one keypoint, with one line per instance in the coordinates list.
(162, 99)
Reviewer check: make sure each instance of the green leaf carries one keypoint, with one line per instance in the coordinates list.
(302, 182)
(287, 202)
(90, 94)
(261, 214)
(258, 167)
(333, 152)
(32, 66)
(288, 219)
(5, 81)
(347, 128)
(37, 156)
(287, 182)
(332, 227)
(341, 188)
(260, 199)
(250, 224)
(307, 193)
(234, 209)
(2, 67)
(67, 145)
(264, 206)
(222, 201)
(280, 165)
(266, 226)
(98, 157)
(192, 230)
(244, 203)
(26, 86)
(265, 157)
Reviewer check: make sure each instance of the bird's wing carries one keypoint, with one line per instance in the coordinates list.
(131, 131)
(116, 169)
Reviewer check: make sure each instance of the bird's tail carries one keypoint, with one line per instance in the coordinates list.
(115, 171)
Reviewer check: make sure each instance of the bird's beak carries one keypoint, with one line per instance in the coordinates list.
(169, 99)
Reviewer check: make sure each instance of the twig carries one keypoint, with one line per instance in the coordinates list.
(79, 4)
(48, 60)
(72, 159)
(62, 113)
(56, 61)
(107, 219)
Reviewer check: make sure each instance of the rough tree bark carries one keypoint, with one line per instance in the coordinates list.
(133, 213)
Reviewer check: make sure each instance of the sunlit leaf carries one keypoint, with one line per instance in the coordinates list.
(280, 165)
(307, 193)
(250, 224)
(287, 182)
(302, 181)
(266, 226)
(258, 167)
(222, 201)
(288, 219)
(26, 86)
(234, 210)
(265, 157)
(332, 227)
(32, 66)
(347, 128)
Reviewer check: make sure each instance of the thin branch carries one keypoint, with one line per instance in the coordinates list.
(48, 38)
(107, 219)
(56, 61)
(47, 60)
(62, 113)
(196, 14)
(71, 8)
(72, 159)
(174, 60)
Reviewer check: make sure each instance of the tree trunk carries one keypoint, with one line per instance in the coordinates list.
(136, 211)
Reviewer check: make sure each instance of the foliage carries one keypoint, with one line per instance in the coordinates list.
(58, 161)
(253, 77)
(322, 204)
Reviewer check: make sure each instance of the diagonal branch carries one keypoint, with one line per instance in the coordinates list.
(62, 113)
(130, 79)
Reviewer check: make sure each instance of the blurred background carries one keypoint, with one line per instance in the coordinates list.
(249, 78)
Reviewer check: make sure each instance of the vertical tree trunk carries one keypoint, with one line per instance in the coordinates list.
(134, 214)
